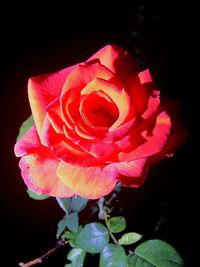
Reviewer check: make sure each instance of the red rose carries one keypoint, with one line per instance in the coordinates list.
(96, 123)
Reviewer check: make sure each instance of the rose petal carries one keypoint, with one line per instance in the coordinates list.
(132, 173)
(72, 153)
(145, 76)
(29, 143)
(150, 141)
(139, 93)
(81, 132)
(84, 74)
(153, 105)
(120, 132)
(99, 149)
(178, 134)
(98, 109)
(177, 138)
(75, 82)
(70, 108)
(44, 89)
(118, 96)
(116, 59)
(49, 136)
(39, 174)
(54, 115)
(39, 166)
(90, 182)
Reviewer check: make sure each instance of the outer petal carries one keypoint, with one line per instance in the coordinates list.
(38, 166)
(177, 138)
(139, 93)
(132, 173)
(44, 89)
(29, 143)
(95, 182)
(148, 141)
(153, 104)
(89, 182)
(145, 76)
(178, 134)
(116, 59)
(39, 174)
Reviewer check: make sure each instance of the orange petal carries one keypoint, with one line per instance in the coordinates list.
(44, 89)
(82, 132)
(38, 166)
(145, 76)
(49, 136)
(178, 134)
(120, 132)
(116, 59)
(54, 115)
(97, 109)
(153, 105)
(99, 149)
(39, 174)
(132, 173)
(89, 182)
(85, 73)
(139, 92)
(68, 151)
(70, 108)
(118, 96)
(150, 141)
(29, 143)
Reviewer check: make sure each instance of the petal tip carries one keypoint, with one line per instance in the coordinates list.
(145, 76)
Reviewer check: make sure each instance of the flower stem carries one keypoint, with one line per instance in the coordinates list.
(110, 233)
(60, 244)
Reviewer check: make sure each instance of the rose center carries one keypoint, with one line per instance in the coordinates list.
(100, 111)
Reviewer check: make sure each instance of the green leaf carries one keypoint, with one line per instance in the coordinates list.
(113, 256)
(93, 237)
(117, 224)
(155, 253)
(118, 187)
(64, 203)
(78, 203)
(61, 227)
(35, 196)
(69, 235)
(72, 204)
(26, 125)
(76, 256)
(69, 221)
(72, 236)
(133, 261)
(129, 238)
(72, 222)
(73, 243)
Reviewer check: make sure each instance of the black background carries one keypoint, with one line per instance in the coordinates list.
(39, 39)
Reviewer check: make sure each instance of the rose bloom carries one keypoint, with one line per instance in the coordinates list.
(97, 123)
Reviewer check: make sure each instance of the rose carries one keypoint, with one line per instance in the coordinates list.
(96, 123)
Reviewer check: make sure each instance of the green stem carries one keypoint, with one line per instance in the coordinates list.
(104, 216)
(110, 233)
